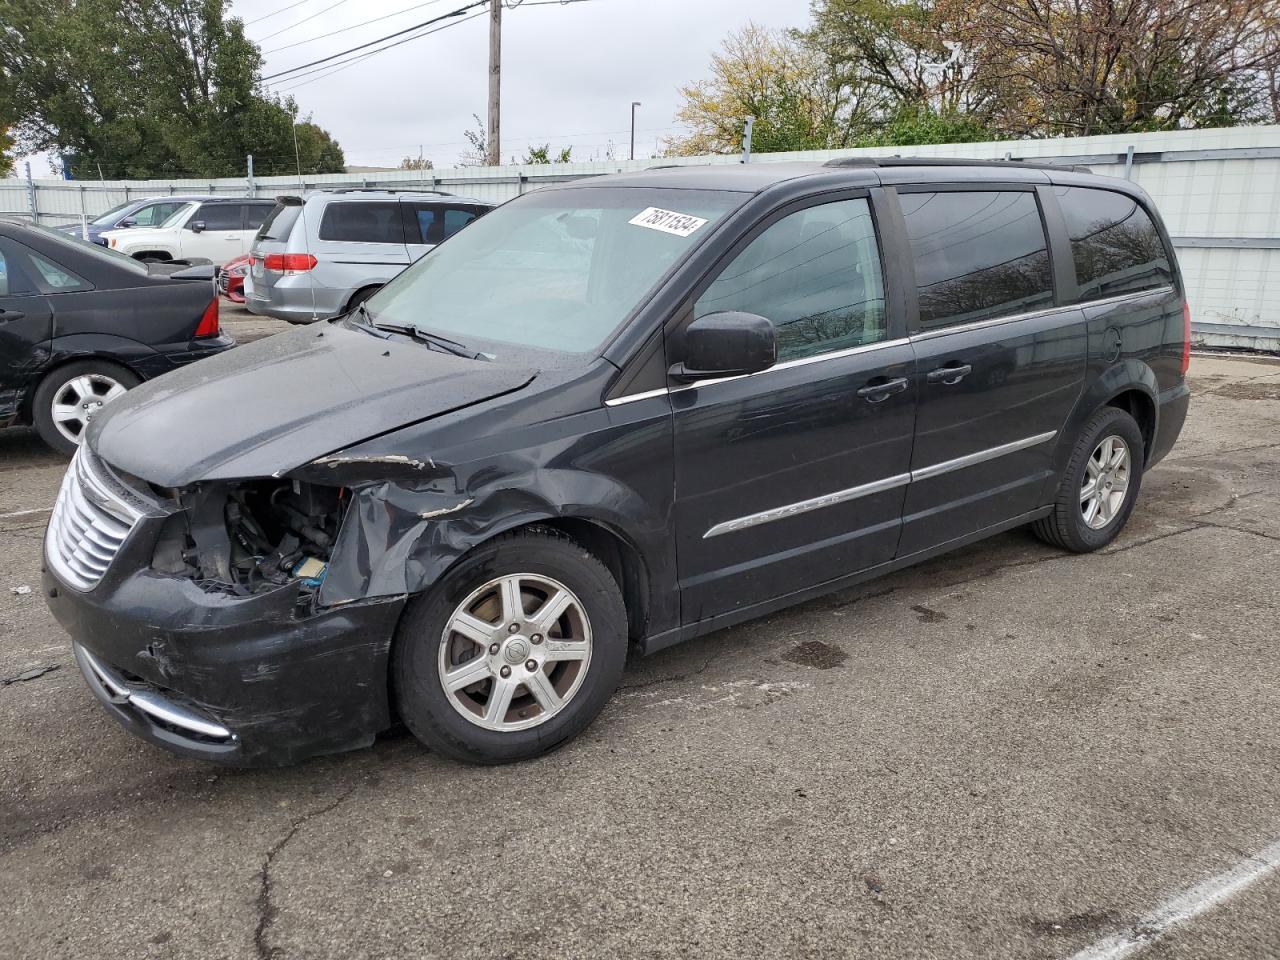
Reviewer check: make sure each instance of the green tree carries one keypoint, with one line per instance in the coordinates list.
(146, 88)
(542, 154)
(914, 126)
(769, 75)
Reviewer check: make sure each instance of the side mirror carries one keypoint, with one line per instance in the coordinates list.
(127, 222)
(197, 226)
(727, 344)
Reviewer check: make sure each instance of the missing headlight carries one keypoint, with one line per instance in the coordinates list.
(248, 537)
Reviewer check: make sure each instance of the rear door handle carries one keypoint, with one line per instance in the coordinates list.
(875, 392)
(949, 375)
(7, 315)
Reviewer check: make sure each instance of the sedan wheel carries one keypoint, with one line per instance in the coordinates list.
(68, 399)
(76, 402)
(515, 652)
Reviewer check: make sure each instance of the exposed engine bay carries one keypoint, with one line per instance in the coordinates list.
(247, 538)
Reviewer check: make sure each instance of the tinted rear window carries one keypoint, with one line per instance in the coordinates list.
(280, 221)
(363, 222)
(255, 214)
(1115, 245)
(978, 255)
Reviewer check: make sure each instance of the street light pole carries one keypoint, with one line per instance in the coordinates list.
(634, 104)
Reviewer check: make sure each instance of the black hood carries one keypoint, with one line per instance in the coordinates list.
(268, 407)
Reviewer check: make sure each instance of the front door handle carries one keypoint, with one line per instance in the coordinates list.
(950, 375)
(7, 315)
(876, 392)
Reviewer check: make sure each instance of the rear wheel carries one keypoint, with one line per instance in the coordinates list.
(360, 296)
(1099, 486)
(68, 399)
(514, 652)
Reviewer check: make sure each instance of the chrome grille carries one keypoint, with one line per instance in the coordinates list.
(89, 524)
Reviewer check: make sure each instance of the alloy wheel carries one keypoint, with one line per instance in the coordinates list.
(77, 400)
(515, 652)
(1106, 482)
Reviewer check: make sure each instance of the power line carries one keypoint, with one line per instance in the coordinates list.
(268, 16)
(364, 46)
(366, 23)
(304, 20)
(321, 73)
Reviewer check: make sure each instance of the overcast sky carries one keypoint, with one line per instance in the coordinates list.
(569, 70)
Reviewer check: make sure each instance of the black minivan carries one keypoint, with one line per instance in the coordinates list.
(619, 412)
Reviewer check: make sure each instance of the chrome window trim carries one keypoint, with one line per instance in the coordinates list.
(876, 486)
(1033, 314)
(1132, 295)
(804, 506)
(785, 365)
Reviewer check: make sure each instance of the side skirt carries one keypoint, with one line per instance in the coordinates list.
(669, 638)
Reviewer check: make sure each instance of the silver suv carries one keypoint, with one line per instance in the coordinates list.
(322, 255)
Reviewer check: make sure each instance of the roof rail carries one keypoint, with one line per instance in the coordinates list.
(952, 162)
(441, 193)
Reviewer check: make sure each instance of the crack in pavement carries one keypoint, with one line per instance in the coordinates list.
(28, 675)
(672, 679)
(266, 910)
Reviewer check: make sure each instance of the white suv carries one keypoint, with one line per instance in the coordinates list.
(218, 230)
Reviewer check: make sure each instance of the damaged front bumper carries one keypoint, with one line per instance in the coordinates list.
(225, 673)
(243, 681)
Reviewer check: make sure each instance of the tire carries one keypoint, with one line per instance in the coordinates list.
(359, 297)
(576, 665)
(94, 382)
(1083, 523)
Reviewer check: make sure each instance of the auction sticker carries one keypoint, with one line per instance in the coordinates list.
(668, 221)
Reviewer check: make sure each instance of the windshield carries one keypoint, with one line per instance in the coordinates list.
(558, 269)
(109, 218)
(93, 249)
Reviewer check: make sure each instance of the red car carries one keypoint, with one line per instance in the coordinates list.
(231, 279)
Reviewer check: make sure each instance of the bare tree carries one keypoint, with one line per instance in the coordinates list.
(1108, 66)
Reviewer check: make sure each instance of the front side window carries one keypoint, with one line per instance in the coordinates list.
(218, 216)
(362, 222)
(815, 275)
(978, 255)
(557, 269)
(57, 279)
(112, 216)
(1115, 245)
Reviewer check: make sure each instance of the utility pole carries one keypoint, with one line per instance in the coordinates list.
(493, 139)
(634, 104)
(248, 163)
(746, 139)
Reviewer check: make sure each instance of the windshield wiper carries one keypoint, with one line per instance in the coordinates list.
(431, 339)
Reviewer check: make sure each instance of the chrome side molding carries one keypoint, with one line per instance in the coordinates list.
(876, 486)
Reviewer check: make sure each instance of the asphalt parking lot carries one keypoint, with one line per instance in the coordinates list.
(1006, 752)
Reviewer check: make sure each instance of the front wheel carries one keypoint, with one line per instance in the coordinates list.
(514, 652)
(71, 396)
(1099, 486)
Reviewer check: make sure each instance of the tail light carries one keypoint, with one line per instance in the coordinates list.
(1186, 336)
(289, 262)
(208, 325)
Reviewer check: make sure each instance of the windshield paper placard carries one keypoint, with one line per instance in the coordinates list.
(668, 221)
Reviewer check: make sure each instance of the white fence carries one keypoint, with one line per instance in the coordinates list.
(1218, 190)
